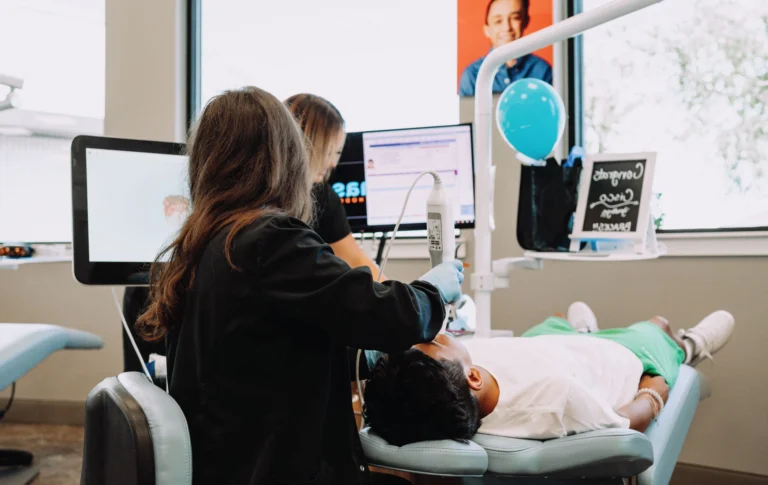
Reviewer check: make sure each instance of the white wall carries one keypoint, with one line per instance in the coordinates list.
(145, 77)
(47, 293)
(144, 99)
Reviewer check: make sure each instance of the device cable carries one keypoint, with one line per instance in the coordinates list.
(130, 335)
(380, 252)
(10, 402)
(436, 177)
(360, 388)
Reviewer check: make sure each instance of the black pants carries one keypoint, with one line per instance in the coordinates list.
(134, 303)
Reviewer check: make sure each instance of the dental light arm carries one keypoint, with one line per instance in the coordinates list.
(13, 99)
(482, 280)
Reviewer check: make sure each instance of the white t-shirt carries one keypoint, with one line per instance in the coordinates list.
(556, 385)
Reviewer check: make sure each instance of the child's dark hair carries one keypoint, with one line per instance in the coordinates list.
(412, 397)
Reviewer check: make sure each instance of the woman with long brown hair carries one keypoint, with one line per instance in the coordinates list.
(323, 126)
(258, 312)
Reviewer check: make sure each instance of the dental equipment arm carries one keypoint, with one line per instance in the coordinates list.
(483, 278)
(12, 99)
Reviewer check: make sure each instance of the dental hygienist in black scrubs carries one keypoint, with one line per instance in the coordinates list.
(323, 126)
(258, 312)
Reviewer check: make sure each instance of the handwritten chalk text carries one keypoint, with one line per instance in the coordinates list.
(612, 227)
(608, 213)
(614, 201)
(615, 176)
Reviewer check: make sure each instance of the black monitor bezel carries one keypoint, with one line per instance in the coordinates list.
(423, 226)
(105, 273)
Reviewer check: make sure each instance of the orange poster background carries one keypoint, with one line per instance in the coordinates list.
(473, 44)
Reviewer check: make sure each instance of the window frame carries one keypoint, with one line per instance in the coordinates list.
(725, 241)
(746, 241)
(57, 126)
(194, 55)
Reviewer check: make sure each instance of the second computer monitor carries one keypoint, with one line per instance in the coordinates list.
(377, 168)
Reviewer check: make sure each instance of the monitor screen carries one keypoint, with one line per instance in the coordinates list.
(130, 198)
(137, 202)
(377, 168)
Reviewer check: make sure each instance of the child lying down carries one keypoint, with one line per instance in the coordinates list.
(561, 377)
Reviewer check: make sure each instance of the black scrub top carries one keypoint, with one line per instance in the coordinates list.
(259, 363)
(330, 224)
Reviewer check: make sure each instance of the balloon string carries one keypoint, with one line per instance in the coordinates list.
(526, 160)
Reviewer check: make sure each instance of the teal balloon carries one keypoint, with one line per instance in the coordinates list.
(531, 116)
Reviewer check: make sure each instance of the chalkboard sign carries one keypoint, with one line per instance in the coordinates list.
(615, 197)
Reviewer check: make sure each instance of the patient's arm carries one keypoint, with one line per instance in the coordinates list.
(640, 411)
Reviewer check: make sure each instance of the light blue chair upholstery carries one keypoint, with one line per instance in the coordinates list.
(135, 434)
(667, 433)
(444, 458)
(604, 454)
(22, 347)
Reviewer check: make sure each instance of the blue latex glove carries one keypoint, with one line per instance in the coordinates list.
(373, 356)
(447, 277)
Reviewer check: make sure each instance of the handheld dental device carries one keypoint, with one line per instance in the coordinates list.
(440, 223)
(440, 226)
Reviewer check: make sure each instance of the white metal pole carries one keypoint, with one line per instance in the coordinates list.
(559, 70)
(482, 278)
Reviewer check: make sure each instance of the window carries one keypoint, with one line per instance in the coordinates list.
(397, 59)
(57, 48)
(383, 64)
(688, 80)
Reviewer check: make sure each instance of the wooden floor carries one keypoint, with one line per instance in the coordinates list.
(58, 449)
(58, 452)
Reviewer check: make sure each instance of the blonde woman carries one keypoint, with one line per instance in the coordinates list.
(323, 126)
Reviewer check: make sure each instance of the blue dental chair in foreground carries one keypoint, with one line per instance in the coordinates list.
(136, 434)
(22, 347)
(600, 457)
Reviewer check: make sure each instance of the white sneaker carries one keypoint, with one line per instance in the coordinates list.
(582, 318)
(709, 336)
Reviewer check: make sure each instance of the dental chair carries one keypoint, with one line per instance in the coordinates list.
(22, 347)
(611, 456)
(135, 434)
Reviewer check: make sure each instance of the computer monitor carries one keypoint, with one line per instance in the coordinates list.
(129, 200)
(376, 169)
(130, 197)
